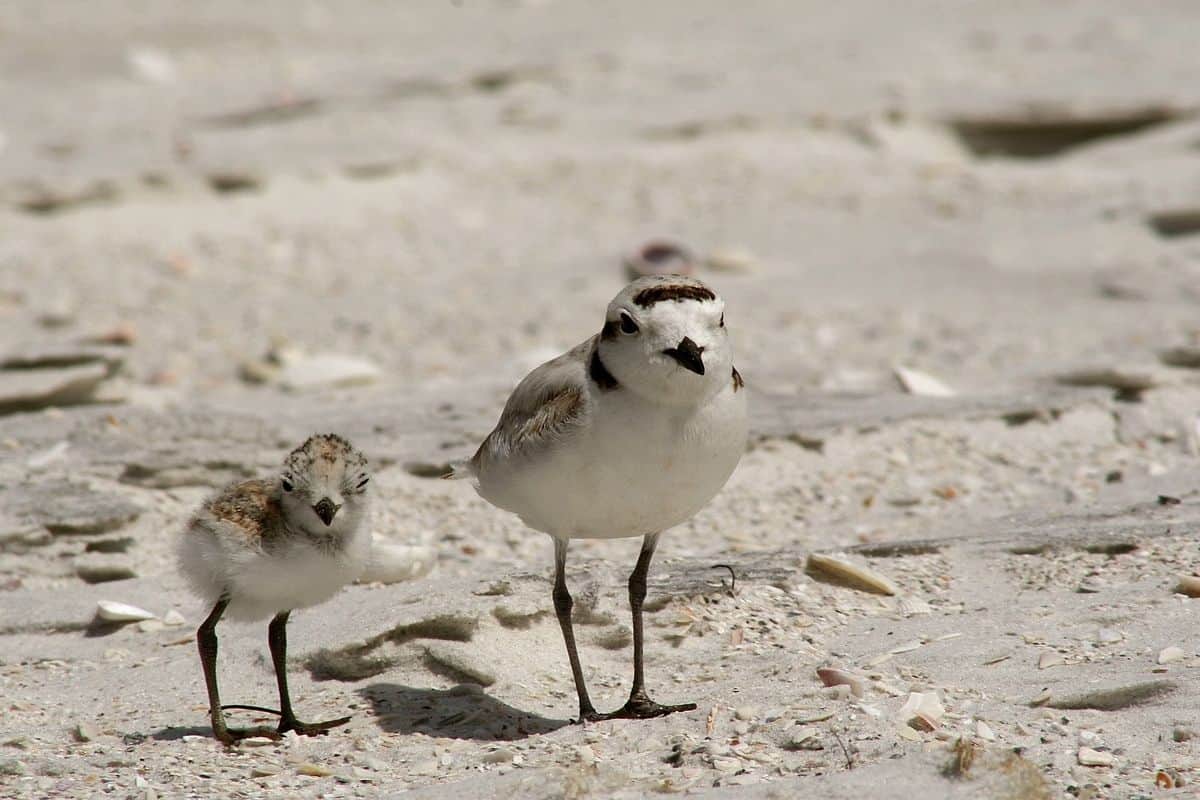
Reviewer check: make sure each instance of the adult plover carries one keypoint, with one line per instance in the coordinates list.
(627, 434)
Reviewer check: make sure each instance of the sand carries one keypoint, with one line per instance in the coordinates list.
(195, 202)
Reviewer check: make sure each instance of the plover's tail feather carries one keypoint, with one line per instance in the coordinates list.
(459, 470)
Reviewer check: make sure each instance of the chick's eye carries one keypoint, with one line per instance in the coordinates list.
(363, 483)
(287, 485)
(627, 324)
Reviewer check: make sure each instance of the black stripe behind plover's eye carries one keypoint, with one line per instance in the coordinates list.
(628, 326)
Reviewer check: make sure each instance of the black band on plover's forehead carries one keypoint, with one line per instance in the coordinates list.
(673, 291)
(599, 373)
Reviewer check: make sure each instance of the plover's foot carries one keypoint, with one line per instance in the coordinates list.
(639, 708)
(311, 728)
(230, 735)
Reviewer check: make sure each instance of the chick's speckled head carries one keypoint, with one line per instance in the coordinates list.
(324, 483)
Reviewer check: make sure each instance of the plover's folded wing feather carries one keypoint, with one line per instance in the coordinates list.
(547, 406)
(251, 508)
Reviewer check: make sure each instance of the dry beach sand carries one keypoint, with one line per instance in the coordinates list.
(209, 213)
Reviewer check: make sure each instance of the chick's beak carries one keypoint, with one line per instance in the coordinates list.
(688, 354)
(325, 509)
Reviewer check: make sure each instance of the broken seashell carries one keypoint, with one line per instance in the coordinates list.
(1171, 654)
(394, 563)
(832, 676)
(922, 710)
(112, 611)
(921, 384)
(1189, 585)
(850, 574)
(1095, 758)
(910, 606)
(1050, 659)
(984, 731)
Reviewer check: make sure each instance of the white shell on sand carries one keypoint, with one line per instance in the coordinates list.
(851, 574)
(1095, 758)
(831, 676)
(1170, 655)
(393, 563)
(302, 372)
(920, 383)
(112, 611)
(922, 710)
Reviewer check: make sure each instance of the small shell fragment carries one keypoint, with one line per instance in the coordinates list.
(909, 606)
(1189, 585)
(984, 731)
(313, 770)
(112, 611)
(832, 676)
(1095, 758)
(851, 574)
(919, 383)
(922, 711)
(1050, 659)
(1170, 655)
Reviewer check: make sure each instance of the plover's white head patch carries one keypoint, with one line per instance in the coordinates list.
(664, 337)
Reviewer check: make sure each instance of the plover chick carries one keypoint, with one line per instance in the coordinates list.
(627, 434)
(265, 547)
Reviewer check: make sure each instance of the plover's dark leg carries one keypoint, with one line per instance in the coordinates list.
(277, 637)
(206, 639)
(639, 705)
(562, 607)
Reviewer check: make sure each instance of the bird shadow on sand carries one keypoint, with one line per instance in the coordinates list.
(176, 732)
(463, 712)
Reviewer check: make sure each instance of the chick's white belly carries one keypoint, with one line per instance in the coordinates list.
(260, 584)
(619, 478)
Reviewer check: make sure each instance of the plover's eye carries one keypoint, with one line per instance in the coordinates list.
(628, 326)
(287, 485)
(362, 484)
(722, 319)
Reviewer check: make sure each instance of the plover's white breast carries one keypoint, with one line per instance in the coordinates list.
(633, 467)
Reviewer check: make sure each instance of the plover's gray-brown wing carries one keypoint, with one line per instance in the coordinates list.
(546, 407)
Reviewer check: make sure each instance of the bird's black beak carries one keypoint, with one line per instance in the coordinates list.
(326, 510)
(688, 354)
